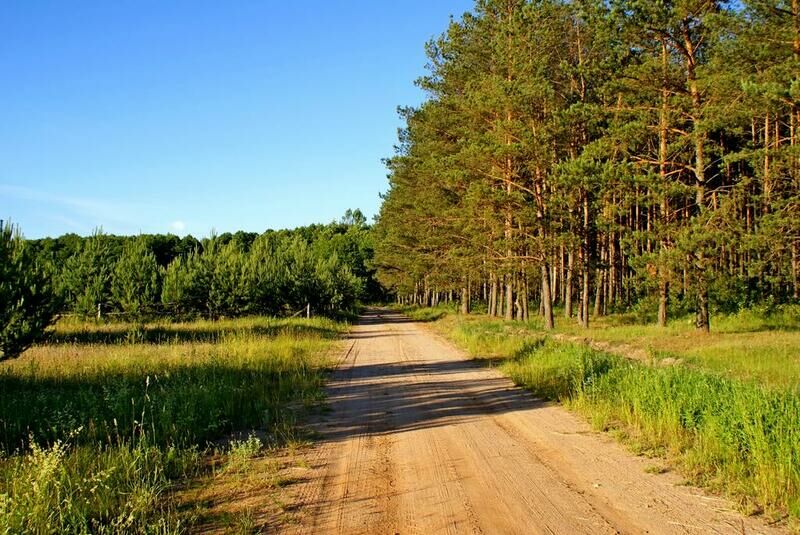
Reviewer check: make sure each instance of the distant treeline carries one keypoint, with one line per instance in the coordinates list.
(602, 155)
(226, 275)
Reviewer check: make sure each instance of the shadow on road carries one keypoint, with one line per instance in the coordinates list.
(407, 394)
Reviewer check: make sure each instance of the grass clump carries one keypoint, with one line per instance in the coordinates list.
(737, 437)
(96, 431)
(241, 452)
(113, 489)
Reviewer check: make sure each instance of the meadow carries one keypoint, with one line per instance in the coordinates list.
(102, 423)
(724, 410)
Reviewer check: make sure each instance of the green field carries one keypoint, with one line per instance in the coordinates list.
(725, 411)
(100, 425)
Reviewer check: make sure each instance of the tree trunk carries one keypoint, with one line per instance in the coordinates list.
(586, 261)
(547, 298)
(702, 315)
(493, 296)
(464, 300)
(598, 292)
(509, 311)
(525, 292)
(767, 183)
(611, 287)
(562, 295)
(663, 302)
(701, 320)
(568, 286)
(501, 298)
(795, 289)
(469, 294)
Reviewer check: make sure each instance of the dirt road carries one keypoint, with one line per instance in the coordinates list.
(421, 440)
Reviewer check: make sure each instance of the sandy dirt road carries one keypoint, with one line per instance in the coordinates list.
(421, 440)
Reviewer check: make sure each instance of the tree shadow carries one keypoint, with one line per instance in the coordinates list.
(181, 405)
(166, 334)
(376, 399)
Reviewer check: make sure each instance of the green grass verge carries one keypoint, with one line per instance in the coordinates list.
(97, 426)
(735, 437)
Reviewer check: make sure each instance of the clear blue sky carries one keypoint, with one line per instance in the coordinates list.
(181, 116)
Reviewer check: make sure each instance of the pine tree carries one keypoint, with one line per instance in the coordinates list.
(226, 290)
(86, 277)
(186, 285)
(136, 278)
(27, 302)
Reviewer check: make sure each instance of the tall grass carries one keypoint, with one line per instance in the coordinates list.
(98, 425)
(736, 437)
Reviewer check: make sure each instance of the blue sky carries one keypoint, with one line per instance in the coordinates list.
(183, 116)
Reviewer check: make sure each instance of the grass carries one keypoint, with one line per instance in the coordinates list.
(757, 345)
(100, 425)
(426, 314)
(730, 425)
(753, 344)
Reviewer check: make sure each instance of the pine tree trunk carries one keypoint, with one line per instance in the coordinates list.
(611, 287)
(469, 295)
(525, 304)
(464, 300)
(568, 286)
(547, 298)
(767, 183)
(598, 292)
(795, 289)
(585, 264)
(663, 302)
(702, 320)
(493, 296)
(702, 315)
(501, 298)
(509, 311)
(562, 295)
(584, 304)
